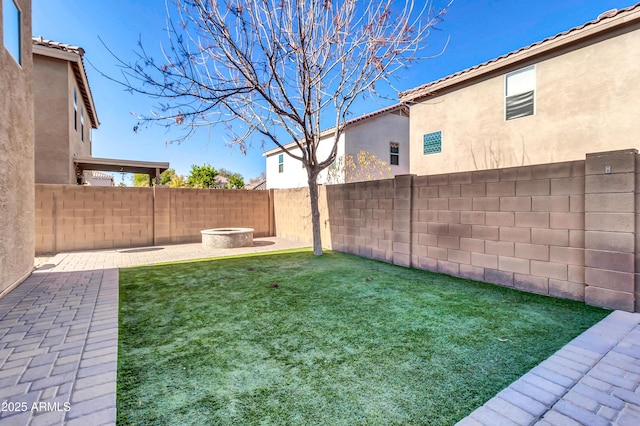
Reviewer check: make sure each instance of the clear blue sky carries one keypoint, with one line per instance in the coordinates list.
(477, 30)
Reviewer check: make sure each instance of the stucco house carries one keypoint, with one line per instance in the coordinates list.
(64, 110)
(97, 178)
(16, 145)
(65, 114)
(383, 133)
(261, 185)
(555, 100)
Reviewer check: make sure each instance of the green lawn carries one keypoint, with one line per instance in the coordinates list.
(289, 338)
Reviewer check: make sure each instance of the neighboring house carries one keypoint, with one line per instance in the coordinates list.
(65, 114)
(64, 111)
(96, 178)
(221, 181)
(261, 185)
(383, 133)
(555, 100)
(17, 193)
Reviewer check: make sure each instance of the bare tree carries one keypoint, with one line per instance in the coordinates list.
(278, 67)
(262, 176)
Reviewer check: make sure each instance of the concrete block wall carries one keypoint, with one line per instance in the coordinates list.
(292, 215)
(610, 227)
(361, 218)
(402, 220)
(71, 217)
(565, 229)
(518, 227)
(636, 239)
(192, 210)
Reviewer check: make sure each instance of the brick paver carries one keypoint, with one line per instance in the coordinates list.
(41, 353)
(59, 341)
(593, 380)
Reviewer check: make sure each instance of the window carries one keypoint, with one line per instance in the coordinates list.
(432, 143)
(520, 89)
(82, 123)
(12, 29)
(75, 110)
(280, 163)
(394, 151)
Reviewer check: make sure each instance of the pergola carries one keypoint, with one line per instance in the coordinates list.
(153, 169)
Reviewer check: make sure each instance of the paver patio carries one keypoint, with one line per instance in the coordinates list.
(593, 380)
(59, 341)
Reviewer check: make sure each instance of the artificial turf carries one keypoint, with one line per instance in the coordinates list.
(290, 338)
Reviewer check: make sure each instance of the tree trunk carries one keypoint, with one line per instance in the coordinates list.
(315, 212)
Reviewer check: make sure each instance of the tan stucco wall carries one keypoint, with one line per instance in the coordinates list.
(51, 120)
(375, 135)
(16, 160)
(82, 148)
(587, 100)
(56, 139)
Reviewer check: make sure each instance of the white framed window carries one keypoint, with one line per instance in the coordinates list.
(394, 153)
(82, 124)
(520, 88)
(12, 29)
(280, 163)
(75, 110)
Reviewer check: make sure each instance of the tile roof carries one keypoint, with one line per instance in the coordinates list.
(603, 22)
(39, 41)
(78, 70)
(391, 108)
(257, 186)
(100, 175)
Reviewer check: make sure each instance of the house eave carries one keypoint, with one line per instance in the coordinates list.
(119, 165)
(606, 23)
(73, 55)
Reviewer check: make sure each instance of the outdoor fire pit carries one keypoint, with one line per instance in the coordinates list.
(227, 237)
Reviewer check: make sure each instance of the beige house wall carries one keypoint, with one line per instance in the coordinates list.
(371, 134)
(375, 135)
(586, 100)
(16, 159)
(79, 147)
(52, 118)
(57, 140)
(76, 217)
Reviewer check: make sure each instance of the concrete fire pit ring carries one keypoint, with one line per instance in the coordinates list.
(227, 237)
